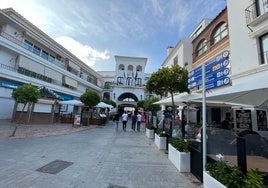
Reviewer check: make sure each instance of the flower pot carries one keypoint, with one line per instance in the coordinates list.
(210, 182)
(160, 142)
(150, 133)
(181, 160)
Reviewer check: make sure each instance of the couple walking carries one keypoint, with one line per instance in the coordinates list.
(136, 119)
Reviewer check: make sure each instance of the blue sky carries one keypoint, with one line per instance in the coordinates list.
(97, 30)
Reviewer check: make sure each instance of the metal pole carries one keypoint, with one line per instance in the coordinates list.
(204, 117)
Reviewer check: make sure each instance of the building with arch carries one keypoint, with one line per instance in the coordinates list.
(126, 85)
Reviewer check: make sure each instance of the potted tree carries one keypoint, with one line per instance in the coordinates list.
(221, 175)
(160, 139)
(179, 154)
(150, 130)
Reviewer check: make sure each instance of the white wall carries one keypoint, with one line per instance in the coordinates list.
(243, 48)
(6, 103)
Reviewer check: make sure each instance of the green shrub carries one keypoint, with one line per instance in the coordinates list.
(160, 132)
(254, 179)
(180, 144)
(232, 176)
(150, 126)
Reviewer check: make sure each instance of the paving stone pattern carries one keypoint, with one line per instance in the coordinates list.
(101, 158)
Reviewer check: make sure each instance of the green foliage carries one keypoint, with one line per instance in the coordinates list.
(168, 80)
(149, 106)
(180, 144)
(160, 132)
(254, 179)
(26, 93)
(140, 104)
(232, 176)
(110, 102)
(150, 126)
(90, 98)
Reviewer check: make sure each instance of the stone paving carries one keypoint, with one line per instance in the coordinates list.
(97, 157)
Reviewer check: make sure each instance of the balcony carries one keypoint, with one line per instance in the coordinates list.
(256, 13)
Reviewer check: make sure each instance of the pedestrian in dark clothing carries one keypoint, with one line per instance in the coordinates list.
(116, 121)
(225, 124)
(134, 120)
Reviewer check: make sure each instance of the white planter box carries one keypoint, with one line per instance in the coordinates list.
(160, 142)
(210, 182)
(150, 133)
(181, 160)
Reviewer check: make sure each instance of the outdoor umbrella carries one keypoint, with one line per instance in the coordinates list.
(103, 105)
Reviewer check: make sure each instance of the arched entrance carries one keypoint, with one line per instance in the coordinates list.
(127, 102)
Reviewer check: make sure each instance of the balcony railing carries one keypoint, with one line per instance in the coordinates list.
(43, 55)
(255, 10)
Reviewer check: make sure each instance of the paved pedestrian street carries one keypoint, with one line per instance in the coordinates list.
(93, 158)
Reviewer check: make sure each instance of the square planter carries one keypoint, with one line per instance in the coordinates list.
(181, 160)
(160, 142)
(210, 182)
(150, 133)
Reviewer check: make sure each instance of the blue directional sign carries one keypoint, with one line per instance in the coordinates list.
(217, 73)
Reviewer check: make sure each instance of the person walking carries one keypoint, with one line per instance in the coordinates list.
(124, 120)
(139, 117)
(134, 121)
(116, 121)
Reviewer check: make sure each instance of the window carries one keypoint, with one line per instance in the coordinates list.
(120, 80)
(201, 47)
(44, 55)
(121, 67)
(264, 48)
(36, 50)
(28, 45)
(107, 85)
(51, 58)
(262, 7)
(175, 60)
(219, 33)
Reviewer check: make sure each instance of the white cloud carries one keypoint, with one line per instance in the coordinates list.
(84, 52)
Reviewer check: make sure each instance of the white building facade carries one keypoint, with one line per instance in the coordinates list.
(126, 85)
(27, 55)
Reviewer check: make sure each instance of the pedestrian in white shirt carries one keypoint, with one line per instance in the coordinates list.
(139, 117)
(124, 120)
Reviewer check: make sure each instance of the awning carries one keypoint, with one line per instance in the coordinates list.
(250, 91)
(53, 74)
(103, 105)
(72, 102)
(180, 99)
(74, 66)
(31, 65)
(70, 82)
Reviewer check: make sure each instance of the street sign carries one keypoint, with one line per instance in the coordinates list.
(216, 69)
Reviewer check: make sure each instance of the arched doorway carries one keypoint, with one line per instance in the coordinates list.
(127, 102)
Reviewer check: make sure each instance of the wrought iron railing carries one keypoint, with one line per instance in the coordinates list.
(256, 9)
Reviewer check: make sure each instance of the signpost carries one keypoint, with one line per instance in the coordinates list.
(212, 74)
(217, 73)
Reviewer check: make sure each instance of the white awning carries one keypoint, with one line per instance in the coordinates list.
(250, 91)
(31, 65)
(180, 99)
(53, 74)
(74, 66)
(70, 82)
